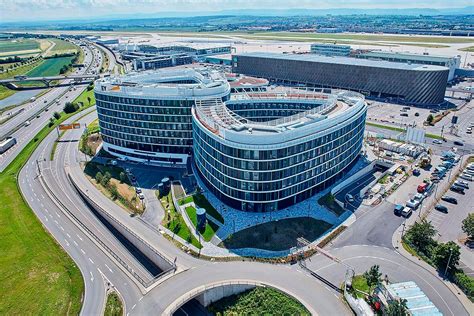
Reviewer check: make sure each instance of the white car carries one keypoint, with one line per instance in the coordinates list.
(437, 141)
(465, 177)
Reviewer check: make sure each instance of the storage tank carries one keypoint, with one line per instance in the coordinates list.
(201, 218)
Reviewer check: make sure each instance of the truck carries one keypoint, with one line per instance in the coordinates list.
(6, 144)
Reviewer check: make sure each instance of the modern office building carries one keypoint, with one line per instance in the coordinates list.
(264, 151)
(450, 62)
(146, 116)
(413, 84)
(161, 61)
(330, 49)
(197, 50)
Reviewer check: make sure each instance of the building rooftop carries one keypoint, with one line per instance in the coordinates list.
(345, 61)
(408, 56)
(220, 120)
(167, 83)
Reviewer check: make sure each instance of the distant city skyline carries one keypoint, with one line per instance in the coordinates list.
(43, 10)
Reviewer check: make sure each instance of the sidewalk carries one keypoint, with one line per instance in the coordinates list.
(397, 244)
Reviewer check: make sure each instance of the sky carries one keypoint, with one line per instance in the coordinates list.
(34, 10)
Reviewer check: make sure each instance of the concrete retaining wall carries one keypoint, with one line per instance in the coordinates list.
(215, 294)
(151, 253)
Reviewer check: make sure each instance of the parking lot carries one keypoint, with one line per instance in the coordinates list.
(390, 113)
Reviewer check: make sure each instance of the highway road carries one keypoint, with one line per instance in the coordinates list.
(39, 112)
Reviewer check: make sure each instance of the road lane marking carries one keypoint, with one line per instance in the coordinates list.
(83, 252)
(133, 306)
(45, 218)
(57, 214)
(68, 236)
(75, 243)
(62, 228)
(92, 276)
(67, 244)
(91, 261)
(108, 268)
(79, 237)
(56, 222)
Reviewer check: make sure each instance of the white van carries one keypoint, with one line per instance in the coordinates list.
(413, 204)
(406, 212)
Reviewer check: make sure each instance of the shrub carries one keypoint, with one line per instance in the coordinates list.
(106, 179)
(114, 192)
(98, 177)
(466, 283)
(70, 107)
(57, 115)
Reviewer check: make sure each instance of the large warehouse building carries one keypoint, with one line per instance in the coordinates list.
(414, 84)
(451, 62)
(257, 151)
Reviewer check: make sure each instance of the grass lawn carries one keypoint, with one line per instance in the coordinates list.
(210, 229)
(329, 201)
(37, 276)
(201, 201)
(21, 70)
(18, 45)
(398, 129)
(82, 98)
(5, 92)
(360, 283)
(367, 37)
(277, 235)
(258, 301)
(113, 306)
(467, 49)
(62, 46)
(50, 67)
(175, 222)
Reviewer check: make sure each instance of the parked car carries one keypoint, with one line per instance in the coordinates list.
(462, 184)
(457, 189)
(141, 196)
(138, 190)
(465, 176)
(469, 172)
(416, 172)
(398, 209)
(458, 143)
(449, 199)
(417, 114)
(406, 212)
(441, 208)
(404, 114)
(437, 141)
(413, 204)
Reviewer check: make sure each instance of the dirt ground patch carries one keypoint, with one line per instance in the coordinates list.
(277, 235)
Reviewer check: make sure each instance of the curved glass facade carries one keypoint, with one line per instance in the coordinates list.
(150, 121)
(260, 178)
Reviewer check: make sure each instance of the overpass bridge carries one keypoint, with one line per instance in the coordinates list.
(47, 80)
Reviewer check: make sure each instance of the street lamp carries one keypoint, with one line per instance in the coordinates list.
(449, 261)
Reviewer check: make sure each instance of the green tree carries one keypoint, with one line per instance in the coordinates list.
(421, 234)
(446, 255)
(114, 191)
(397, 308)
(430, 119)
(123, 177)
(51, 122)
(70, 107)
(373, 277)
(468, 225)
(56, 115)
(106, 179)
(99, 176)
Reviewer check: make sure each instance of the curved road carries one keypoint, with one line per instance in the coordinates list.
(94, 262)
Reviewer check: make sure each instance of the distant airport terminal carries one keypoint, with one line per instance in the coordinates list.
(257, 151)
